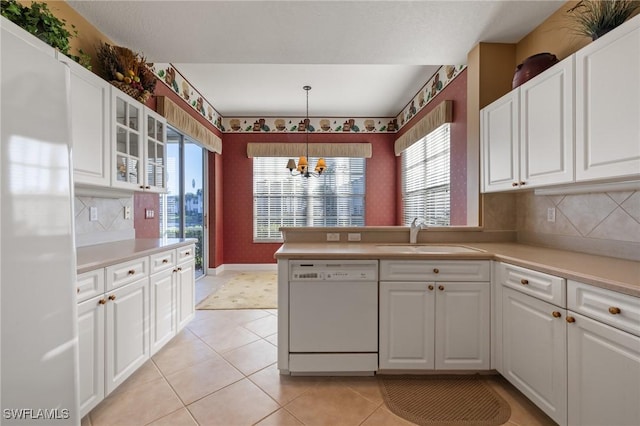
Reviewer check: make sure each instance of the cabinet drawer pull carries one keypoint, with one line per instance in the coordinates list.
(430, 287)
(441, 287)
(112, 297)
(187, 253)
(165, 260)
(556, 314)
(524, 282)
(78, 290)
(132, 271)
(436, 270)
(570, 319)
(102, 302)
(614, 310)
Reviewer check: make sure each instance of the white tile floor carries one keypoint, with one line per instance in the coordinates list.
(221, 370)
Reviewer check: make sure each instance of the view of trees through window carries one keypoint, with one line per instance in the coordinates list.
(182, 207)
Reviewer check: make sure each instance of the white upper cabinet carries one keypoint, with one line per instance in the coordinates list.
(546, 127)
(527, 135)
(500, 143)
(608, 105)
(89, 128)
(139, 148)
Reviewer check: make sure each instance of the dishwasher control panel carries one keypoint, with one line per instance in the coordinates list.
(334, 271)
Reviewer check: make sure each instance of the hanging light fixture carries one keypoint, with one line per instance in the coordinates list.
(302, 168)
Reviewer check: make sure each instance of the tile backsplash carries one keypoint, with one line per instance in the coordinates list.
(110, 225)
(606, 223)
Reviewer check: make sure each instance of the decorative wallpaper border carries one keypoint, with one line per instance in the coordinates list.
(173, 79)
(445, 75)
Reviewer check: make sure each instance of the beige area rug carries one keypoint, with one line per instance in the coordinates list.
(444, 400)
(248, 290)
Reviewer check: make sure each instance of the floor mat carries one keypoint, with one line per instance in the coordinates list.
(444, 400)
(248, 290)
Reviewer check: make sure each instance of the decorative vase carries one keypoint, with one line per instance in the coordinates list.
(532, 66)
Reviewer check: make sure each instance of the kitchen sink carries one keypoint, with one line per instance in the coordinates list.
(427, 248)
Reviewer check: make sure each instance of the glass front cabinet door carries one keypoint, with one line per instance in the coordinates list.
(139, 153)
(155, 165)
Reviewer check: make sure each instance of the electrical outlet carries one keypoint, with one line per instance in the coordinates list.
(551, 214)
(333, 236)
(353, 236)
(149, 213)
(127, 212)
(93, 214)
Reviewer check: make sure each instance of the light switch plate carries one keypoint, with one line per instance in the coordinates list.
(149, 213)
(333, 236)
(551, 214)
(93, 214)
(127, 212)
(353, 236)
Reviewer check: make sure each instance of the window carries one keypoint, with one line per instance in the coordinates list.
(425, 179)
(336, 198)
(183, 207)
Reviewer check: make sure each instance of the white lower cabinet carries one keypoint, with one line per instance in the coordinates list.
(185, 292)
(534, 357)
(604, 374)
(91, 352)
(427, 325)
(127, 331)
(407, 331)
(162, 291)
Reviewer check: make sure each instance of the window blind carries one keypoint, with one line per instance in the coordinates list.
(426, 179)
(336, 198)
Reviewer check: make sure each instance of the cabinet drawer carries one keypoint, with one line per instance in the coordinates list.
(616, 309)
(90, 284)
(127, 272)
(161, 261)
(546, 287)
(186, 254)
(435, 270)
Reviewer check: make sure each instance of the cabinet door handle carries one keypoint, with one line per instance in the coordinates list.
(132, 271)
(430, 287)
(522, 183)
(436, 270)
(147, 187)
(524, 282)
(514, 184)
(78, 290)
(556, 314)
(187, 253)
(141, 186)
(112, 297)
(179, 268)
(614, 310)
(441, 287)
(102, 302)
(570, 319)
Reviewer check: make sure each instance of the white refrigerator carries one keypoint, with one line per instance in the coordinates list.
(38, 345)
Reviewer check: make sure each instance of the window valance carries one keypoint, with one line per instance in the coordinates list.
(181, 120)
(356, 150)
(441, 114)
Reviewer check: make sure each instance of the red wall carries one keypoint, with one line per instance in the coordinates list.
(457, 92)
(237, 201)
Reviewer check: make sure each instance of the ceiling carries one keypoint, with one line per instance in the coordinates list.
(362, 58)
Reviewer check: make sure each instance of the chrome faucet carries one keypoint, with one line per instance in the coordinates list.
(415, 228)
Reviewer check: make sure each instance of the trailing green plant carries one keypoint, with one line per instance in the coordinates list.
(40, 21)
(593, 18)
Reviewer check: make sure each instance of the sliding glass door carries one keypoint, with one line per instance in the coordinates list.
(183, 208)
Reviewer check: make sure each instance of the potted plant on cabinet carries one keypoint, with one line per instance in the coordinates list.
(594, 18)
(40, 21)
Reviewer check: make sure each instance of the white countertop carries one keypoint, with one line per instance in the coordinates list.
(101, 255)
(606, 272)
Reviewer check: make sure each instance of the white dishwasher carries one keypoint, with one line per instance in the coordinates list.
(333, 316)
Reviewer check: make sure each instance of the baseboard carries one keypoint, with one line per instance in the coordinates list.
(242, 267)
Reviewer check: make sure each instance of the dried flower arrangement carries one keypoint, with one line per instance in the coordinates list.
(127, 70)
(594, 18)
